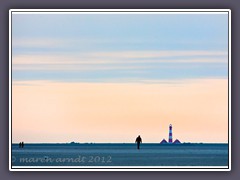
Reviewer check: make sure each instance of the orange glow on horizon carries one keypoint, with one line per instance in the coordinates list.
(44, 111)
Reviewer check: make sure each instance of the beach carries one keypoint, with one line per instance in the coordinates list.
(120, 154)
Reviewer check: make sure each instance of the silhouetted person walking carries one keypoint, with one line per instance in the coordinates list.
(138, 141)
(22, 144)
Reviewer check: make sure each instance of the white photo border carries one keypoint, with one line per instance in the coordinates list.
(119, 168)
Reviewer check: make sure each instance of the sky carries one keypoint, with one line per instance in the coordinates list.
(110, 77)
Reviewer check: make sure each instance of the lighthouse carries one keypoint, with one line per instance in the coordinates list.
(170, 139)
(170, 134)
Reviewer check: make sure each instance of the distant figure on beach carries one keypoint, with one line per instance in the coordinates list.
(138, 141)
(21, 145)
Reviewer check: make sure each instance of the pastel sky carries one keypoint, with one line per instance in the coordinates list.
(110, 77)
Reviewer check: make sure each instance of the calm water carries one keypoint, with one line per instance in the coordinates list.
(120, 155)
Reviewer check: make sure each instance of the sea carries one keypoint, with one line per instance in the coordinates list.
(120, 154)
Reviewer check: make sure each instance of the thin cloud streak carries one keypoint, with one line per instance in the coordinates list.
(73, 67)
(37, 43)
(119, 81)
(158, 54)
(27, 60)
(114, 60)
(67, 42)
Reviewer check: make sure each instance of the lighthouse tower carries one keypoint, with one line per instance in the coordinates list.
(170, 134)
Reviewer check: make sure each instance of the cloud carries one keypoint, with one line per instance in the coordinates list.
(37, 43)
(165, 82)
(73, 67)
(115, 60)
(158, 54)
(68, 43)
